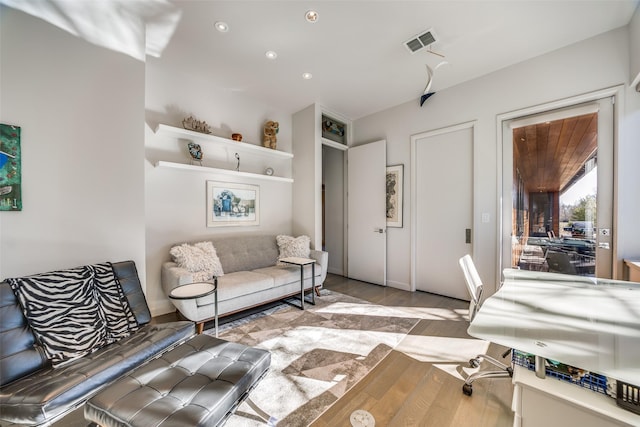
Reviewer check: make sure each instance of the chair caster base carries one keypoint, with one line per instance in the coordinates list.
(467, 389)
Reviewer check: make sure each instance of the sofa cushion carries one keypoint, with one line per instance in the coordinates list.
(245, 253)
(283, 275)
(62, 311)
(201, 259)
(127, 275)
(290, 246)
(51, 392)
(241, 283)
(19, 353)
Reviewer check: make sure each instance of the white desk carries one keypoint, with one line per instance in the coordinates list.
(589, 323)
(593, 324)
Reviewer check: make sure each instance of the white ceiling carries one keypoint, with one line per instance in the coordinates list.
(356, 51)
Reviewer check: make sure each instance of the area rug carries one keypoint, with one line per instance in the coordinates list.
(316, 354)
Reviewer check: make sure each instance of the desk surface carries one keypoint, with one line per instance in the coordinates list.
(593, 324)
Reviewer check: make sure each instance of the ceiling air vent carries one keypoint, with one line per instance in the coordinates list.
(416, 43)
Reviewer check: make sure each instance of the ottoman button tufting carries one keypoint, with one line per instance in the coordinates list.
(110, 407)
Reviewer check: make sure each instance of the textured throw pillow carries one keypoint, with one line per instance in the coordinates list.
(62, 311)
(293, 246)
(200, 259)
(115, 310)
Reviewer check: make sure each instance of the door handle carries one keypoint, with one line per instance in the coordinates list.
(378, 230)
(467, 235)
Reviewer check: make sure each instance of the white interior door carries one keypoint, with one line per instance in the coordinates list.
(367, 219)
(444, 209)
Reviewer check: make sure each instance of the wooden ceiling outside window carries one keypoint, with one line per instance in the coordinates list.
(551, 156)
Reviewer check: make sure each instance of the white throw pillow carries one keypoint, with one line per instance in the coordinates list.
(293, 246)
(200, 259)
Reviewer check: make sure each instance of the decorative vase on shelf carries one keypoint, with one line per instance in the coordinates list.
(195, 151)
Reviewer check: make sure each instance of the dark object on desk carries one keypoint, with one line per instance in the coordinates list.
(628, 397)
(562, 372)
(474, 285)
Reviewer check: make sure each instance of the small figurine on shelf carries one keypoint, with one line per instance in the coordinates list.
(195, 152)
(270, 139)
(196, 125)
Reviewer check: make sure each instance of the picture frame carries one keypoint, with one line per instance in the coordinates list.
(395, 197)
(232, 204)
(334, 130)
(10, 168)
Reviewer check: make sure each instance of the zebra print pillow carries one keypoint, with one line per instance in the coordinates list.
(62, 311)
(114, 306)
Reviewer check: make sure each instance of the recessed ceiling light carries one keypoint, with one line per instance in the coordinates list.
(307, 76)
(271, 54)
(222, 26)
(311, 16)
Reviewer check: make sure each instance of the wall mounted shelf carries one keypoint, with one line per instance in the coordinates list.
(220, 151)
(220, 142)
(205, 169)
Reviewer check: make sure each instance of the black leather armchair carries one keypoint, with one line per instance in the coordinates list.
(34, 393)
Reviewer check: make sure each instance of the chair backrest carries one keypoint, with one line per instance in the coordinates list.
(559, 262)
(474, 284)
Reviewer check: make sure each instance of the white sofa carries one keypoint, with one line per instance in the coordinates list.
(251, 277)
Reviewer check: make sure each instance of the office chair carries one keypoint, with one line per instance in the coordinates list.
(474, 285)
(559, 262)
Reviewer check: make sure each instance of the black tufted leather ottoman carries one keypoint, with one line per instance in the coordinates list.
(199, 383)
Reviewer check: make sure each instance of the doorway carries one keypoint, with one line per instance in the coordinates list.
(443, 226)
(561, 187)
(333, 208)
(366, 213)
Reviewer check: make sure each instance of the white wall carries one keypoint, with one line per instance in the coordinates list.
(176, 199)
(594, 64)
(634, 48)
(307, 170)
(81, 110)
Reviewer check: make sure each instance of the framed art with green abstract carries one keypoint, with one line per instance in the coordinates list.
(10, 169)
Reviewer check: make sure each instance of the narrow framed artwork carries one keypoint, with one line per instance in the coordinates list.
(334, 130)
(231, 204)
(395, 177)
(10, 169)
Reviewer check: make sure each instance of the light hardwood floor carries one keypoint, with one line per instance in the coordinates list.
(400, 390)
(404, 391)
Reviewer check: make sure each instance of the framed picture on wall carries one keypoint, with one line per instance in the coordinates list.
(10, 168)
(394, 195)
(231, 204)
(334, 130)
